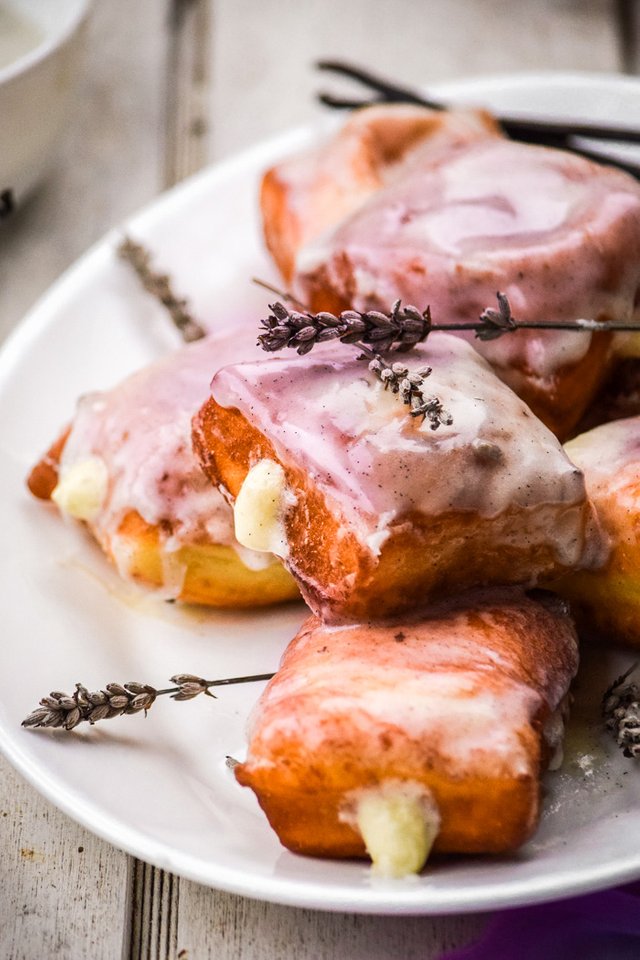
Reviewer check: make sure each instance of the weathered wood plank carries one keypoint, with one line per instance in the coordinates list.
(214, 924)
(187, 90)
(64, 891)
(154, 914)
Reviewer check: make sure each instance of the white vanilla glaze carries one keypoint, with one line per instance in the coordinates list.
(141, 431)
(558, 234)
(465, 685)
(327, 414)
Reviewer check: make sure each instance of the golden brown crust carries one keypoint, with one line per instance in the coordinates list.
(606, 601)
(314, 744)
(208, 573)
(43, 479)
(574, 386)
(494, 816)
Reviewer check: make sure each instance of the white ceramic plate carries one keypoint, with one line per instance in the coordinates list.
(160, 788)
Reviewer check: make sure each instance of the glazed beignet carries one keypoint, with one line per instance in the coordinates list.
(126, 468)
(558, 234)
(307, 194)
(373, 511)
(386, 739)
(608, 598)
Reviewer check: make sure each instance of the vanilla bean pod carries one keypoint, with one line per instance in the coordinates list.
(529, 129)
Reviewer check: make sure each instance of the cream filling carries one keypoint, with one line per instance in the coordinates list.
(398, 822)
(260, 508)
(82, 489)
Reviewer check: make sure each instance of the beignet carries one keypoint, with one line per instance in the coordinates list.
(307, 194)
(558, 234)
(126, 468)
(607, 599)
(447, 721)
(373, 511)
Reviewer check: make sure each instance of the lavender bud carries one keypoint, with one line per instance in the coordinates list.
(377, 319)
(307, 333)
(51, 702)
(328, 319)
(67, 703)
(279, 310)
(180, 678)
(100, 712)
(118, 702)
(72, 719)
(329, 333)
(36, 717)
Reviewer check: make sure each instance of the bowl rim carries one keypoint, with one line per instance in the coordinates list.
(52, 41)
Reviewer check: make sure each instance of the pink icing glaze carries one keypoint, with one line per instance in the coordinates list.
(558, 234)
(327, 414)
(331, 180)
(466, 682)
(141, 429)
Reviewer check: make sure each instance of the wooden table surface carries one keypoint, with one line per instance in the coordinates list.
(166, 88)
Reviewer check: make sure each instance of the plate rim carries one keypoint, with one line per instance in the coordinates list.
(314, 895)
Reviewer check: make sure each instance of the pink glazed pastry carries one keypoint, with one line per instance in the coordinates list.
(459, 219)
(126, 468)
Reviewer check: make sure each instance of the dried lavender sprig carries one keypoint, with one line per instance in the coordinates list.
(621, 712)
(61, 710)
(159, 286)
(402, 327)
(409, 385)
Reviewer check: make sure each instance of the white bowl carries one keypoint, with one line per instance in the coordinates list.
(40, 41)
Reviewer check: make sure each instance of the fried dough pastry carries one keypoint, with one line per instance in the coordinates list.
(373, 511)
(386, 739)
(126, 468)
(607, 599)
(558, 234)
(305, 195)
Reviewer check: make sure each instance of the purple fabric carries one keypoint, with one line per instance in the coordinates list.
(599, 926)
